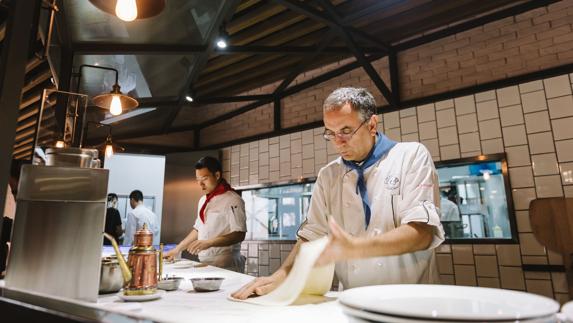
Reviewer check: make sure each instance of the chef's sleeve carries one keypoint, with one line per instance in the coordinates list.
(130, 228)
(237, 218)
(420, 197)
(198, 223)
(315, 225)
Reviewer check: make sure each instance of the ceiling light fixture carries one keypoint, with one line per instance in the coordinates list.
(129, 10)
(190, 96)
(223, 40)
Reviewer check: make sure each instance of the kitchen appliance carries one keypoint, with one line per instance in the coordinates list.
(56, 238)
(111, 278)
(140, 271)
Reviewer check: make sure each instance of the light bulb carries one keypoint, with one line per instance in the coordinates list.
(486, 175)
(115, 107)
(59, 144)
(126, 10)
(189, 98)
(221, 43)
(108, 150)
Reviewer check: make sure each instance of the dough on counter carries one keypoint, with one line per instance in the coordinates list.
(302, 280)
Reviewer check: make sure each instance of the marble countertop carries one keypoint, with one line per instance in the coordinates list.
(186, 305)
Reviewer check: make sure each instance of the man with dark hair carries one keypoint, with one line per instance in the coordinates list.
(377, 203)
(112, 219)
(221, 225)
(137, 217)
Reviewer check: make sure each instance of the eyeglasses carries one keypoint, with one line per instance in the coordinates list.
(344, 134)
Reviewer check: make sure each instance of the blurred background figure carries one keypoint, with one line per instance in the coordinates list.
(112, 220)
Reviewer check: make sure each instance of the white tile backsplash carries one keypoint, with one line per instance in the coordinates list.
(522, 197)
(514, 136)
(446, 118)
(428, 130)
(530, 87)
(450, 152)
(540, 143)
(391, 120)
(490, 129)
(566, 171)
(548, 186)
(492, 146)
(564, 150)
(470, 142)
(467, 123)
(409, 124)
(487, 110)
(508, 96)
(426, 112)
(448, 136)
(521, 177)
(465, 104)
(485, 96)
(518, 156)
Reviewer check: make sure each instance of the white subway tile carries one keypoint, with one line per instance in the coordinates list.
(517, 156)
(407, 112)
(521, 177)
(548, 186)
(428, 130)
(523, 222)
(508, 255)
(537, 122)
(470, 142)
(433, 147)
(511, 115)
(448, 136)
(540, 143)
(450, 152)
(564, 150)
(522, 197)
(557, 86)
(530, 86)
(394, 134)
(465, 105)
(492, 146)
(534, 101)
(409, 124)
(562, 128)
(446, 118)
(490, 129)
(467, 123)
(508, 96)
(561, 107)
(411, 137)
(426, 112)
(514, 136)
(487, 110)
(512, 278)
(530, 246)
(391, 120)
(485, 96)
(566, 171)
(545, 164)
(441, 105)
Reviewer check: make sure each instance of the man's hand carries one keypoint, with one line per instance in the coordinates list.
(198, 245)
(261, 285)
(340, 247)
(170, 255)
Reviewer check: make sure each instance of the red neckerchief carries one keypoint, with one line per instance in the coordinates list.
(221, 188)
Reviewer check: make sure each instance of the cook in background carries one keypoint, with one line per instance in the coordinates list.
(139, 215)
(112, 220)
(221, 223)
(377, 203)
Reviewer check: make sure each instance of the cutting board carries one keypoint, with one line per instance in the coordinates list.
(552, 224)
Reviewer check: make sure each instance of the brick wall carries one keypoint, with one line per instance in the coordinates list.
(531, 122)
(517, 45)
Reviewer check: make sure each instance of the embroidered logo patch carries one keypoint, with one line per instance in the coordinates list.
(391, 182)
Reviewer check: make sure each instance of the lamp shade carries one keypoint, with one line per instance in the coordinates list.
(145, 8)
(105, 100)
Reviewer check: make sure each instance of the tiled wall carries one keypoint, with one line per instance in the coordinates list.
(531, 122)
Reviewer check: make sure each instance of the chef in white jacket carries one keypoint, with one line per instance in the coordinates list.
(221, 222)
(139, 215)
(378, 203)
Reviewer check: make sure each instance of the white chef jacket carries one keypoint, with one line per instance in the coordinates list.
(224, 214)
(402, 188)
(135, 220)
(449, 210)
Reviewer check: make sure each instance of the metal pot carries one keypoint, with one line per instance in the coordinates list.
(111, 279)
(72, 157)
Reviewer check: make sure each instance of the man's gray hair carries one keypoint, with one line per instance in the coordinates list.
(359, 99)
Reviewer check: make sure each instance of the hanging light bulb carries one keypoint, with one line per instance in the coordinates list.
(126, 10)
(115, 107)
(108, 150)
(60, 144)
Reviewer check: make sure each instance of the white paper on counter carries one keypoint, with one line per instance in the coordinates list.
(304, 283)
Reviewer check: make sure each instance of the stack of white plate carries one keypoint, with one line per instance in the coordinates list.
(443, 303)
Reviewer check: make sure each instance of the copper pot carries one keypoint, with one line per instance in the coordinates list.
(140, 270)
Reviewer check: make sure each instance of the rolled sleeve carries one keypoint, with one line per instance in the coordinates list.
(316, 224)
(421, 195)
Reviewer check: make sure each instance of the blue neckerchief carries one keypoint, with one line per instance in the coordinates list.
(381, 147)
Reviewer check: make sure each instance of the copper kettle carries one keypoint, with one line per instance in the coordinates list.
(140, 271)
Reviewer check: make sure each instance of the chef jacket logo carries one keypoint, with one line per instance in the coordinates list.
(391, 182)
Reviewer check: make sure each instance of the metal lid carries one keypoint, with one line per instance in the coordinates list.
(143, 237)
(72, 151)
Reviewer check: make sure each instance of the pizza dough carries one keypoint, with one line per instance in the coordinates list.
(303, 280)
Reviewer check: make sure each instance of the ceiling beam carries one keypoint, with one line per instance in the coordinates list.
(93, 48)
(227, 10)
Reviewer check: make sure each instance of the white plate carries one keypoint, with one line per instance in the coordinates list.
(140, 298)
(180, 264)
(567, 309)
(448, 303)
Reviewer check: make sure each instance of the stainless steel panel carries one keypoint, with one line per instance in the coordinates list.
(50, 183)
(56, 239)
